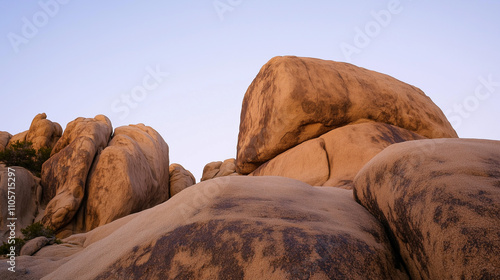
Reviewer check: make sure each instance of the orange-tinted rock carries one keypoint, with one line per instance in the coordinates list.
(131, 174)
(295, 99)
(334, 158)
(440, 200)
(180, 178)
(64, 175)
(219, 169)
(4, 139)
(234, 227)
(27, 193)
(43, 133)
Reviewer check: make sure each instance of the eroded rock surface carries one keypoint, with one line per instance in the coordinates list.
(233, 227)
(4, 139)
(27, 195)
(440, 200)
(43, 133)
(219, 169)
(295, 99)
(131, 174)
(64, 175)
(180, 178)
(334, 158)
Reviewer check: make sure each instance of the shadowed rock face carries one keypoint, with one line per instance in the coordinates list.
(234, 227)
(4, 139)
(440, 200)
(27, 193)
(217, 169)
(334, 158)
(295, 99)
(64, 175)
(180, 178)
(42, 133)
(131, 174)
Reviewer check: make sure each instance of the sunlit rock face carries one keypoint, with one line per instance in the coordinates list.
(64, 175)
(295, 99)
(440, 201)
(180, 178)
(131, 174)
(233, 227)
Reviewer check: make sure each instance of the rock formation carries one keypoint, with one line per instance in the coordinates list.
(440, 200)
(295, 99)
(378, 188)
(219, 169)
(128, 176)
(231, 228)
(17, 137)
(34, 245)
(42, 133)
(27, 194)
(4, 139)
(180, 178)
(334, 158)
(64, 175)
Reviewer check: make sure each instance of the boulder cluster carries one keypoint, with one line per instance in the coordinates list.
(94, 175)
(340, 173)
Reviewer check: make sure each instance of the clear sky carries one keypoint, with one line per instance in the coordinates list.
(182, 67)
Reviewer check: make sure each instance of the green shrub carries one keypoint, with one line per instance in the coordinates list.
(5, 248)
(22, 153)
(30, 232)
(36, 230)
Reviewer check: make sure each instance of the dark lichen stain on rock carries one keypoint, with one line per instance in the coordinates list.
(227, 246)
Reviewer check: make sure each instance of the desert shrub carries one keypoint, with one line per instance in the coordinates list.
(5, 248)
(36, 230)
(22, 153)
(30, 232)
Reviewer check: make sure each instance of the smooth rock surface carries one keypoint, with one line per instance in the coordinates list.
(210, 170)
(27, 192)
(233, 227)
(440, 200)
(334, 158)
(4, 139)
(64, 174)
(180, 178)
(131, 174)
(43, 133)
(295, 99)
(219, 169)
(34, 245)
(20, 137)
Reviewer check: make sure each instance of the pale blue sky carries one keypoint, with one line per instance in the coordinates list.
(85, 55)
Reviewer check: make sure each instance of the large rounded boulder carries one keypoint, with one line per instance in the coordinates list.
(131, 174)
(234, 227)
(440, 202)
(64, 174)
(295, 99)
(20, 194)
(334, 158)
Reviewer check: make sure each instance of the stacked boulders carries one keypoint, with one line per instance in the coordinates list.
(342, 116)
(217, 169)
